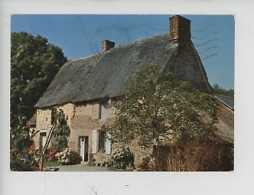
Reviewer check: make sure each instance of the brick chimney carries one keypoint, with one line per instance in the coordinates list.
(107, 45)
(180, 29)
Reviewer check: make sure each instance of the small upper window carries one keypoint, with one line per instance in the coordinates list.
(103, 110)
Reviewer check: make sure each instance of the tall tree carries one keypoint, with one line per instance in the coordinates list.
(34, 63)
(158, 107)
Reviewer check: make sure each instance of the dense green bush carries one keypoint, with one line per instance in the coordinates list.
(122, 158)
(25, 162)
(20, 142)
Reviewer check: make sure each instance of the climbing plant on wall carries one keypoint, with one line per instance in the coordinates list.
(61, 132)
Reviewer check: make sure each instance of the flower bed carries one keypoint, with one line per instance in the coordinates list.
(68, 157)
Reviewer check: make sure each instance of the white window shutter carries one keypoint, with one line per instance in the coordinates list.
(94, 141)
(108, 143)
(104, 110)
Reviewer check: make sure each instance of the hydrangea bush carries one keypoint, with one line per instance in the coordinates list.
(122, 158)
(68, 157)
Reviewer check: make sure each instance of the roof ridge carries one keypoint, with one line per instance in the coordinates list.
(140, 41)
(87, 57)
(120, 46)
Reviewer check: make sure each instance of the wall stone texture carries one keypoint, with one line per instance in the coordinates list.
(82, 120)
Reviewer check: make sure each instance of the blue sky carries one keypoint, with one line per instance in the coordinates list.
(81, 35)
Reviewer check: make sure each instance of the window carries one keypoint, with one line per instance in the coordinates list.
(101, 142)
(102, 137)
(42, 141)
(103, 112)
(108, 143)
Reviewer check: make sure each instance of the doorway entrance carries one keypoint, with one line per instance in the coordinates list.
(43, 138)
(83, 148)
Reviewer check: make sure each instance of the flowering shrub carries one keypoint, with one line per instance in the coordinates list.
(122, 158)
(68, 157)
(61, 132)
(51, 155)
(36, 156)
(32, 149)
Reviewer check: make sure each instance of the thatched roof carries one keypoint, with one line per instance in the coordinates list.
(225, 125)
(106, 74)
(32, 121)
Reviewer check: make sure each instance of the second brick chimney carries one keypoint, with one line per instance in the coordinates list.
(180, 29)
(107, 45)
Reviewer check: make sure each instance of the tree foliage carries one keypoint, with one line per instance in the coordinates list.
(34, 63)
(219, 90)
(122, 158)
(20, 142)
(157, 107)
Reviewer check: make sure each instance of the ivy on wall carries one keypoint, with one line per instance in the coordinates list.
(61, 132)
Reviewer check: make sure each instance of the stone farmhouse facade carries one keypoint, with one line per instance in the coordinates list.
(84, 88)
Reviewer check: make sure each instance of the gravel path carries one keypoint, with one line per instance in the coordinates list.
(81, 168)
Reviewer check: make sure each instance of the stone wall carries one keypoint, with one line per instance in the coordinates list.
(82, 120)
(44, 122)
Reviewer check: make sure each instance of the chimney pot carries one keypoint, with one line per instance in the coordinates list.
(107, 45)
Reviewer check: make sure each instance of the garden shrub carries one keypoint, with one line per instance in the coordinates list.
(23, 163)
(122, 158)
(147, 164)
(51, 155)
(194, 156)
(68, 157)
